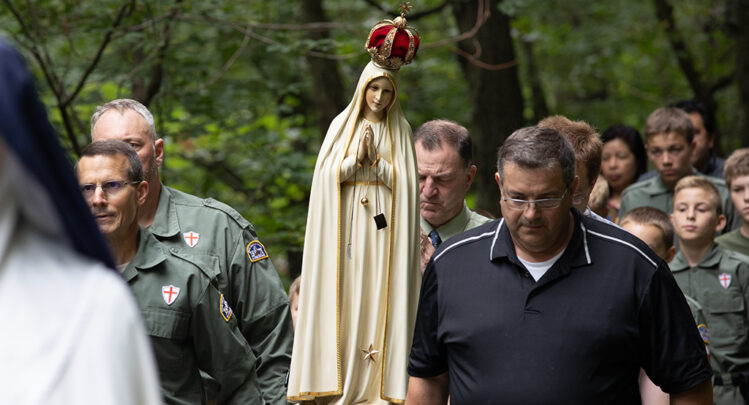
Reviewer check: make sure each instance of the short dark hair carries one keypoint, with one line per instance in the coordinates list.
(432, 133)
(655, 217)
(538, 148)
(691, 106)
(584, 139)
(633, 139)
(669, 119)
(111, 147)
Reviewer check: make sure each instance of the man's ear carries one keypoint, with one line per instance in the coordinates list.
(471, 173)
(573, 185)
(158, 147)
(142, 189)
(499, 183)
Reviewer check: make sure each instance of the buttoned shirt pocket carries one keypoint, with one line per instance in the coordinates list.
(726, 309)
(167, 323)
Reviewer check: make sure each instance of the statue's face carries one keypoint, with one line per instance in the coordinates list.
(378, 95)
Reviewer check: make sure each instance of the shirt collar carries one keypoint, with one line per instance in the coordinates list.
(165, 223)
(149, 254)
(710, 260)
(576, 252)
(450, 228)
(658, 187)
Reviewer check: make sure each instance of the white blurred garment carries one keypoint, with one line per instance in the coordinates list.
(70, 331)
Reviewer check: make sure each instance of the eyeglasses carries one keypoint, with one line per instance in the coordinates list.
(109, 187)
(542, 204)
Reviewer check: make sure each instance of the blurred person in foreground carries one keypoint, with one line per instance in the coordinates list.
(72, 333)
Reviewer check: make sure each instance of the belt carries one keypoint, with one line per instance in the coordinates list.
(362, 183)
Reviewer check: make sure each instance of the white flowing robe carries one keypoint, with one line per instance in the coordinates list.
(71, 330)
(365, 294)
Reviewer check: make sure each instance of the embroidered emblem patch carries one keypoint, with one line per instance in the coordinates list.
(169, 293)
(256, 251)
(191, 238)
(224, 308)
(725, 279)
(704, 334)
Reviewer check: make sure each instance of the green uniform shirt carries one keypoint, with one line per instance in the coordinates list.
(720, 282)
(653, 193)
(191, 327)
(247, 277)
(734, 241)
(465, 220)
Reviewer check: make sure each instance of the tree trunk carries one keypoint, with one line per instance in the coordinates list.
(494, 89)
(740, 14)
(326, 79)
(702, 90)
(540, 109)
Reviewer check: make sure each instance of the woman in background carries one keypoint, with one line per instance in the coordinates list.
(623, 160)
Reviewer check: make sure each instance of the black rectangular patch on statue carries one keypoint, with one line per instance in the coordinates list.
(380, 221)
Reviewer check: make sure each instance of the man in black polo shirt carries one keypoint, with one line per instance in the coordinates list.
(547, 306)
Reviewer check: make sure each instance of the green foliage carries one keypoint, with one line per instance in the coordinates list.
(235, 103)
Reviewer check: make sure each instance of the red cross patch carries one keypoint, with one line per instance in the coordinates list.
(191, 238)
(170, 293)
(725, 279)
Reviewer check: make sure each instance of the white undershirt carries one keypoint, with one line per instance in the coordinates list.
(538, 269)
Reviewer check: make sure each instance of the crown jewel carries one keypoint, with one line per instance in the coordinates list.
(392, 43)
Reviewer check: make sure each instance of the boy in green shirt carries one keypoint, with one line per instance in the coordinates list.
(669, 138)
(736, 173)
(654, 228)
(718, 279)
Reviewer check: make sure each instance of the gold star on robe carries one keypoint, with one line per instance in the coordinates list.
(369, 353)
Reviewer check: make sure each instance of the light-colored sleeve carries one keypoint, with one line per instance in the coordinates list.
(385, 172)
(348, 168)
(113, 362)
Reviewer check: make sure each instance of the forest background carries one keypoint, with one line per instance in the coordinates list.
(243, 92)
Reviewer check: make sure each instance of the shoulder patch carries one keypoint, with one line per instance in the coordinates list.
(224, 308)
(256, 251)
(705, 335)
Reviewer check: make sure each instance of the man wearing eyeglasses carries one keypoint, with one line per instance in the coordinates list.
(208, 227)
(668, 140)
(190, 323)
(550, 306)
